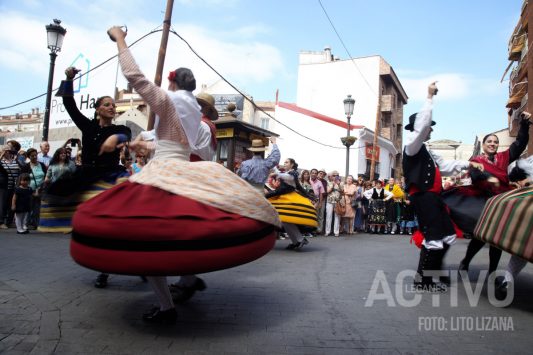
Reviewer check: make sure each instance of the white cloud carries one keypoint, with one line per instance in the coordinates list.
(452, 86)
(243, 61)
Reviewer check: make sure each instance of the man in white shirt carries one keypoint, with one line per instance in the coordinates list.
(423, 171)
(43, 156)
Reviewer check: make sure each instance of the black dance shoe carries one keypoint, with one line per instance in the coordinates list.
(181, 294)
(155, 315)
(101, 281)
(500, 288)
(463, 266)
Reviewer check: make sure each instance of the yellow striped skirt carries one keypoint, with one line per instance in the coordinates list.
(294, 208)
(57, 211)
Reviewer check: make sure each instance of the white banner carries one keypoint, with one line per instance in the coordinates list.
(87, 89)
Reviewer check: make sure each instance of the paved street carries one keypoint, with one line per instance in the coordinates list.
(306, 302)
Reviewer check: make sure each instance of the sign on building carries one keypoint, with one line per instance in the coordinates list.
(369, 150)
(87, 89)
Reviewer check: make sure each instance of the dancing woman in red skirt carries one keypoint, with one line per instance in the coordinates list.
(162, 222)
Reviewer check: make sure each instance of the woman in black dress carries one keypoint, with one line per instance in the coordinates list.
(100, 169)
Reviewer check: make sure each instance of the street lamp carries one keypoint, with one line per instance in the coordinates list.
(55, 34)
(349, 103)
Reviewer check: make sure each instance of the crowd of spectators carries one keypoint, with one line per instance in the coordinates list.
(40, 169)
(348, 206)
(344, 205)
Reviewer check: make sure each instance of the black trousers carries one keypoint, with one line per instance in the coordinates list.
(433, 219)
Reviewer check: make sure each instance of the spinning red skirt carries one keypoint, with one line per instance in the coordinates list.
(139, 229)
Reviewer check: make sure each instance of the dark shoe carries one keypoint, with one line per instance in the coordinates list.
(463, 266)
(445, 280)
(301, 244)
(24, 232)
(101, 281)
(181, 294)
(500, 289)
(144, 279)
(291, 246)
(161, 317)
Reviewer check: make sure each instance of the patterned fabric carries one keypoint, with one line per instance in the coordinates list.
(13, 170)
(335, 195)
(159, 99)
(207, 182)
(170, 169)
(377, 212)
(57, 211)
(506, 222)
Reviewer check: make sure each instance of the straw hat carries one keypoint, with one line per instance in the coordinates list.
(257, 146)
(207, 101)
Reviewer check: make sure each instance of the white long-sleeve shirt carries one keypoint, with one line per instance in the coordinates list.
(387, 193)
(204, 147)
(415, 139)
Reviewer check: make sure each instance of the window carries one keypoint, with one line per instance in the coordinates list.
(223, 146)
(264, 122)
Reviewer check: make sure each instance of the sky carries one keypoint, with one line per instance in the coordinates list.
(255, 45)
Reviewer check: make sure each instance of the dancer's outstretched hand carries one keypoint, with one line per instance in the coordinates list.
(116, 32)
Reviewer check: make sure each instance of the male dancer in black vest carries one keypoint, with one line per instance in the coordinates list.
(423, 171)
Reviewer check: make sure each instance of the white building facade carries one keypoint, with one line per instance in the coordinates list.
(323, 83)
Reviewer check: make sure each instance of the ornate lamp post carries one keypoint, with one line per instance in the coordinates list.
(55, 35)
(348, 141)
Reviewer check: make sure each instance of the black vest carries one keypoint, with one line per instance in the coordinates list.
(376, 196)
(419, 169)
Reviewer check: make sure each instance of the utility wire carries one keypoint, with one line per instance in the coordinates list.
(212, 68)
(86, 73)
(248, 99)
(346, 49)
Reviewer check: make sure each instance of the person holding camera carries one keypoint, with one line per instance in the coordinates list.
(69, 145)
(37, 173)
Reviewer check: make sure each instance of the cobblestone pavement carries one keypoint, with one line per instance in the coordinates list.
(314, 301)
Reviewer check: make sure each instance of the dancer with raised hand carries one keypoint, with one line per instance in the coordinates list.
(423, 170)
(220, 223)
